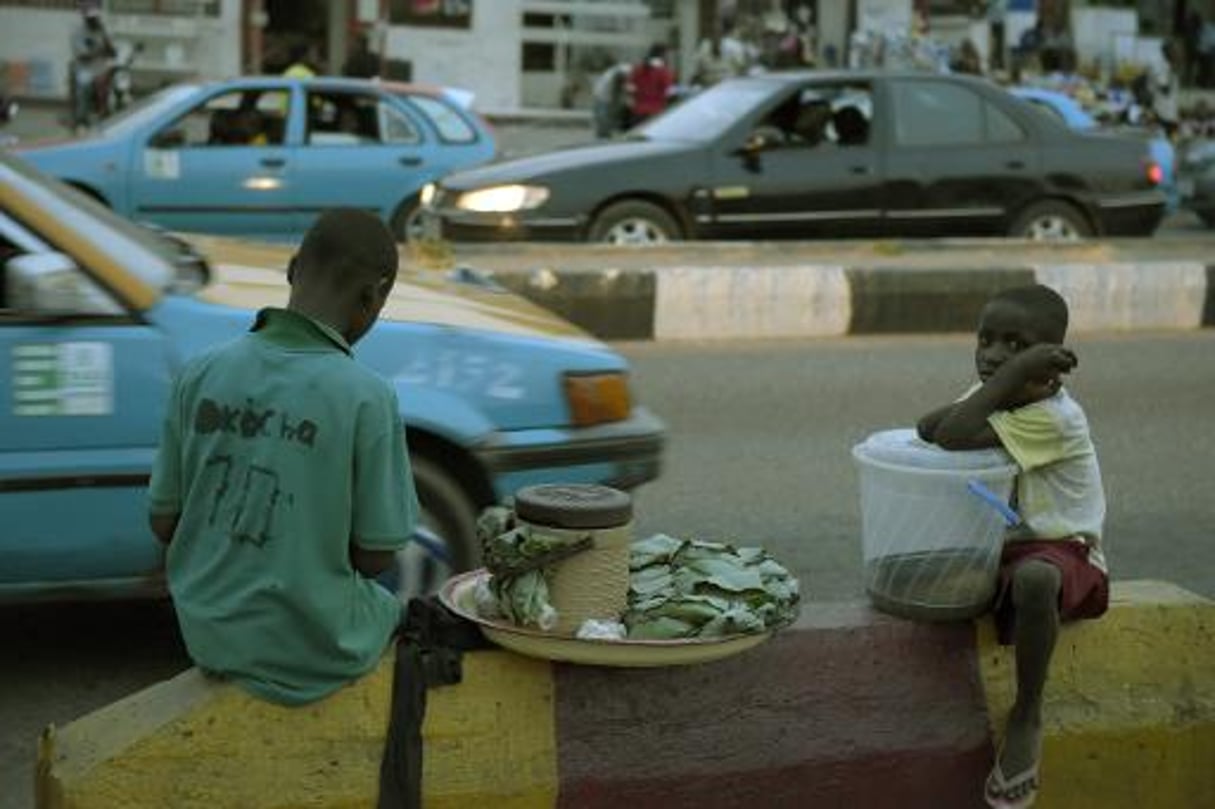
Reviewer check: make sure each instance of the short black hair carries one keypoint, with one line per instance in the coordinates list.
(347, 246)
(1046, 306)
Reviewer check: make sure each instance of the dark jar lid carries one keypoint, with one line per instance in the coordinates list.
(573, 505)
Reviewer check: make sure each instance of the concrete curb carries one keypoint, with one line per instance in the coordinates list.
(820, 300)
(848, 708)
(740, 290)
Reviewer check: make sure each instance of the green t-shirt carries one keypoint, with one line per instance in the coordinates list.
(278, 448)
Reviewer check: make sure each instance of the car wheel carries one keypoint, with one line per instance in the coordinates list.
(1051, 221)
(447, 540)
(634, 222)
(406, 222)
(1207, 217)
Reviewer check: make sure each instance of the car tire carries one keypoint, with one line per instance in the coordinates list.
(1207, 217)
(406, 222)
(1051, 220)
(633, 221)
(450, 517)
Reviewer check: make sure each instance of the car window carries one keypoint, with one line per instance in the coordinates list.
(818, 116)
(449, 123)
(47, 290)
(1000, 127)
(707, 115)
(356, 119)
(934, 113)
(246, 117)
(145, 110)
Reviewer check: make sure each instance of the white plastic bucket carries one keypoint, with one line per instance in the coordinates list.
(931, 546)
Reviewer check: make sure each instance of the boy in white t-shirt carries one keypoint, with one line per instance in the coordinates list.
(1052, 569)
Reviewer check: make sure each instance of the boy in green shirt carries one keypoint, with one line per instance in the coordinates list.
(282, 486)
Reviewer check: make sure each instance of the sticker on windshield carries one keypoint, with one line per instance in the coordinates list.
(161, 164)
(63, 379)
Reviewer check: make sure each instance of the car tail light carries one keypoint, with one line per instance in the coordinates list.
(598, 398)
(1155, 173)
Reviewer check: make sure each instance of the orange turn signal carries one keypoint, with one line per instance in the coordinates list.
(598, 398)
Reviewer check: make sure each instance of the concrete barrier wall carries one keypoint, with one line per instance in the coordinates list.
(734, 291)
(850, 708)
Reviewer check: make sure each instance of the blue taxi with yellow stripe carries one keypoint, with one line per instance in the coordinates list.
(97, 313)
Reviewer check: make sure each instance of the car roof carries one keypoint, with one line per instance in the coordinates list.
(332, 82)
(115, 250)
(798, 76)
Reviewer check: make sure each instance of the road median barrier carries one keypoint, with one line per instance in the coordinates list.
(848, 708)
(698, 290)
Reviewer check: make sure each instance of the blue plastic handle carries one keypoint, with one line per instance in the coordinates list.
(995, 501)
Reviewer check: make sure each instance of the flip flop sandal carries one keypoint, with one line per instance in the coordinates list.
(1018, 792)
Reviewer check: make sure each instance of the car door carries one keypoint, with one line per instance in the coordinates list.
(361, 149)
(958, 164)
(224, 166)
(83, 384)
(802, 172)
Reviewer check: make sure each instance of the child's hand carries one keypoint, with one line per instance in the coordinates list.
(1044, 362)
(1040, 367)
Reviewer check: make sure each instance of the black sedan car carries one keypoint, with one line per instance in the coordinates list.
(818, 154)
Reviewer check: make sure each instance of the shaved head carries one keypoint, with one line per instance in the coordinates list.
(1044, 305)
(345, 248)
(344, 271)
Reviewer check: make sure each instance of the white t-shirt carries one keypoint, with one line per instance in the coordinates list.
(1059, 491)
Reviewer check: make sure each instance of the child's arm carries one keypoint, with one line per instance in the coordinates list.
(163, 526)
(926, 427)
(1029, 376)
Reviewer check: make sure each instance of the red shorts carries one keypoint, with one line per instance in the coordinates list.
(1084, 593)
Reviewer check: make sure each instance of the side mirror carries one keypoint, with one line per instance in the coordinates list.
(51, 283)
(755, 143)
(752, 148)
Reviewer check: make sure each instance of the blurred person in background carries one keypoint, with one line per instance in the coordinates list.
(649, 84)
(361, 63)
(610, 100)
(91, 54)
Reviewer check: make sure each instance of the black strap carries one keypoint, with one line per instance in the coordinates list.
(429, 650)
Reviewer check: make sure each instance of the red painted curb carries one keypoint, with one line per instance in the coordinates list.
(861, 714)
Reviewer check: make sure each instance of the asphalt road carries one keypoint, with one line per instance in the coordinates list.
(760, 434)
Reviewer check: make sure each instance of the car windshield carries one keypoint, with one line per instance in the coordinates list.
(68, 204)
(145, 110)
(708, 115)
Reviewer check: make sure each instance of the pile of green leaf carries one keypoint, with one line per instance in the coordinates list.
(523, 598)
(677, 588)
(682, 588)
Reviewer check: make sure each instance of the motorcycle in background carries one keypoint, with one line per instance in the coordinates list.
(113, 88)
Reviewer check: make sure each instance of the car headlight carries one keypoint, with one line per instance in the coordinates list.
(598, 398)
(502, 199)
(427, 195)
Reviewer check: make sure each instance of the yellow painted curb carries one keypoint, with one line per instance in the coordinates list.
(192, 742)
(1130, 704)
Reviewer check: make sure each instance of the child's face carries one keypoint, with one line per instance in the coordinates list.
(1005, 329)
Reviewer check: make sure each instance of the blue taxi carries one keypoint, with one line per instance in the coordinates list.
(261, 156)
(97, 313)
